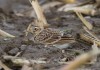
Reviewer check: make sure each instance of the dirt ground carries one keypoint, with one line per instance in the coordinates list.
(17, 25)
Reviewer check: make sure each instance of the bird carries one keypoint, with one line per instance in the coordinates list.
(51, 36)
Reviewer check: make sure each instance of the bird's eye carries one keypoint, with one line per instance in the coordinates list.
(36, 28)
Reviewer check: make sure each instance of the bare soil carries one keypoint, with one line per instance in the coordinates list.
(17, 25)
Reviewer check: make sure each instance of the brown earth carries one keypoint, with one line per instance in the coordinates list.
(17, 26)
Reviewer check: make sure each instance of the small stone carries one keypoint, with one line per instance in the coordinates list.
(13, 51)
(23, 47)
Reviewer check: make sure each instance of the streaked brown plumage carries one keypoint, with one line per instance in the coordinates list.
(51, 36)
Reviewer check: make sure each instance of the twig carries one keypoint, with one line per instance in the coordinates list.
(88, 38)
(18, 54)
(22, 61)
(39, 13)
(5, 34)
(82, 59)
(4, 66)
(85, 22)
(86, 9)
(90, 33)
